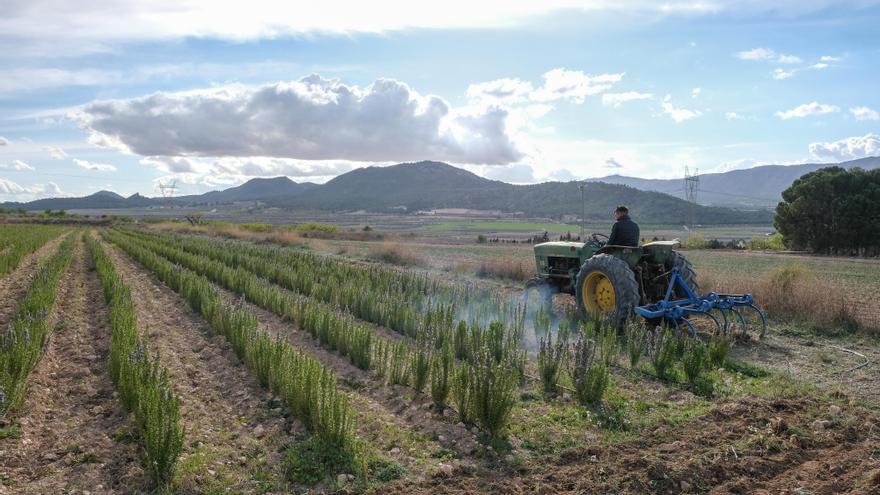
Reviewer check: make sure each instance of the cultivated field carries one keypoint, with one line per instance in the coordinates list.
(136, 359)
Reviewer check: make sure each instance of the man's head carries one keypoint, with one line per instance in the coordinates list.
(621, 212)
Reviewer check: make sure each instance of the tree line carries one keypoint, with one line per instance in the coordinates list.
(832, 211)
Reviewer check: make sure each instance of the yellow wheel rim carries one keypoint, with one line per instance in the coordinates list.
(598, 293)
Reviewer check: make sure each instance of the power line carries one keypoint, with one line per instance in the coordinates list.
(691, 188)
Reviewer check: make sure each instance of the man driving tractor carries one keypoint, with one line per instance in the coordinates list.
(625, 232)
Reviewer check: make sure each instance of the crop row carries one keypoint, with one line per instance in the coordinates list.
(23, 342)
(141, 381)
(17, 241)
(306, 386)
(490, 351)
(355, 288)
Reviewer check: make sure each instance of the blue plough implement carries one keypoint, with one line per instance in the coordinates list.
(681, 304)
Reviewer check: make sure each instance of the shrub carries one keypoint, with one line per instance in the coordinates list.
(550, 362)
(719, 348)
(694, 241)
(421, 365)
(394, 254)
(636, 339)
(442, 363)
(481, 239)
(461, 393)
(508, 268)
(661, 350)
(694, 359)
(494, 395)
(588, 370)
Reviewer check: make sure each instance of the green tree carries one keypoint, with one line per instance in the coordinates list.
(832, 211)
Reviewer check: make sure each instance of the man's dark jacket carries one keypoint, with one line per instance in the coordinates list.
(625, 232)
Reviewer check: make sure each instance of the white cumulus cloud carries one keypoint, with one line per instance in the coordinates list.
(788, 59)
(312, 119)
(757, 54)
(98, 167)
(4, 141)
(12, 191)
(850, 148)
(617, 99)
(55, 152)
(807, 110)
(829, 58)
(864, 113)
(733, 116)
(16, 165)
(780, 74)
(574, 85)
(677, 114)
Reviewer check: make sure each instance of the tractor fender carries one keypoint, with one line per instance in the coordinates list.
(626, 289)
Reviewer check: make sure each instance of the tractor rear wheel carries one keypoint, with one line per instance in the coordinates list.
(686, 270)
(606, 285)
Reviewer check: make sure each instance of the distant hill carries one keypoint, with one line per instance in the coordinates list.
(432, 185)
(748, 188)
(412, 187)
(258, 189)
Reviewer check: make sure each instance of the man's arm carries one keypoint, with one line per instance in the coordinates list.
(612, 239)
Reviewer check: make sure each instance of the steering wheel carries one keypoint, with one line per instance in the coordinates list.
(596, 241)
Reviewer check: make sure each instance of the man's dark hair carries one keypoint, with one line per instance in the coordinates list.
(622, 209)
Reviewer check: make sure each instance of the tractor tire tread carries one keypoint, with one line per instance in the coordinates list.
(623, 279)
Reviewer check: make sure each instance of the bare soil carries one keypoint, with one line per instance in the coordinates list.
(751, 445)
(235, 432)
(71, 425)
(15, 284)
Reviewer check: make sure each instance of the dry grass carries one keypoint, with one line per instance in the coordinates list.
(507, 268)
(233, 231)
(791, 292)
(394, 254)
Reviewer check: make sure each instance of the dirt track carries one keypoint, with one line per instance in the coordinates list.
(70, 417)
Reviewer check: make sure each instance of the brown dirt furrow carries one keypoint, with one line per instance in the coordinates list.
(70, 418)
(235, 432)
(376, 402)
(15, 284)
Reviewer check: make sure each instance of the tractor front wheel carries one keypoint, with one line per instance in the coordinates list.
(606, 285)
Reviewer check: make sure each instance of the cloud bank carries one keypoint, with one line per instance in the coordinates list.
(850, 148)
(310, 119)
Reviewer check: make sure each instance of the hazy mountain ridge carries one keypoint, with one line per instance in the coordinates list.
(755, 187)
(430, 185)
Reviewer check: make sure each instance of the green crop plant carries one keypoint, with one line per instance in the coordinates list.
(17, 241)
(588, 370)
(636, 340)
(141, 381)
(694, 359)
(662, 350)
(442, 367)
(550, 362)
(719, 348)
(25, 338)
(493, 395)
(462, 394)
(306, 386)
(399, 365)
(420, 365)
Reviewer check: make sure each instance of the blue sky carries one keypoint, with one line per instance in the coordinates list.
(124, 95)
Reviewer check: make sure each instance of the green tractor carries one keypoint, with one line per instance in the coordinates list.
(605, 279)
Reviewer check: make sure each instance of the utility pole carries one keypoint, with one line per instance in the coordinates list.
(583, 210)
(691, 188)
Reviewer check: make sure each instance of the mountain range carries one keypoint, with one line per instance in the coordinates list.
(757, 187)
(428, 185)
